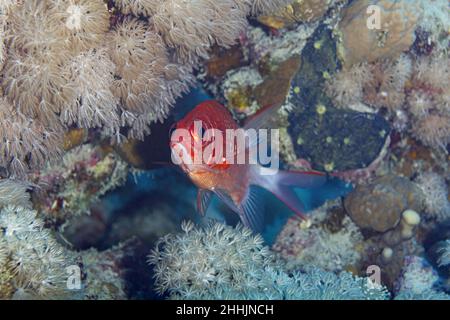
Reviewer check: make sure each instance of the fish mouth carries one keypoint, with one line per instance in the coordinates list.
(180, 156)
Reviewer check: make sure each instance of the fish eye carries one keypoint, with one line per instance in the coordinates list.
(197, 131)
(202, 132)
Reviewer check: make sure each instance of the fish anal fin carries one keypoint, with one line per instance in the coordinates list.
(204, 198)
(250, 210)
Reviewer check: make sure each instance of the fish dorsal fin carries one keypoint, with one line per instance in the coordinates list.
(204, 198)
(251, 210)
(261, 118)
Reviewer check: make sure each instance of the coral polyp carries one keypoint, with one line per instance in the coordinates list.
(84, 64)
(33, 262)
(82, 23)
(218, 262)
(25, 142)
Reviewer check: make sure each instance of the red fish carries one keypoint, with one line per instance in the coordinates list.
(230, 181)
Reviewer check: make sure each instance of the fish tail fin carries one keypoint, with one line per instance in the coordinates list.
(282, 184)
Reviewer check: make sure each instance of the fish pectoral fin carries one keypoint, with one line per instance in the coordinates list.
(250, 210)
(204, 198)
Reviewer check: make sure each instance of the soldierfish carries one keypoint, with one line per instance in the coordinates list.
(231, 181)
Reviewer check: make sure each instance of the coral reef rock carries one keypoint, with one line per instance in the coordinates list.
(379, 205)
(330, 139)
(104, 272)
(398, 20)
(298, 11)
(335, 140)
(330, 242)
(275, 87)
(70, 187)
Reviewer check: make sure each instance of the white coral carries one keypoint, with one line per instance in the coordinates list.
(399, 72)
(418, 276)
(192, 27)
(302, 247)
(82, 23)
(14, 193)
(92, 103)
(346, 87)
(38, 263)
(435, 191)
(206, 258)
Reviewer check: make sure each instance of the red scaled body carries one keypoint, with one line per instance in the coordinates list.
(231, 178)
(233, 182)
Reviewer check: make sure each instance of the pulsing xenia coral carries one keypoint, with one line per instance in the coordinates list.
(193, 37)
(14, 192)
(25, 141)
(435, 190)
(144, 75)
(85, 22)
(32, 262)
(418, 281)
(417, 275)
(410, 87)
(201, 260)
(192, 27)
(220, 262)
(92, 103)
(4, 8)
(68, 63)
